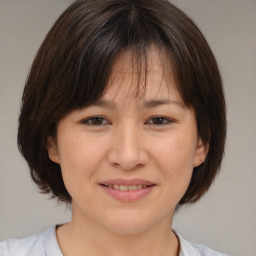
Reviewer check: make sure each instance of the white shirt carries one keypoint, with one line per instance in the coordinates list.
(45, 244)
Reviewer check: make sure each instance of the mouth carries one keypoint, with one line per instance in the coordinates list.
(127, 190)
(127, 187)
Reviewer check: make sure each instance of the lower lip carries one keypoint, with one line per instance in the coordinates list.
(128, 196)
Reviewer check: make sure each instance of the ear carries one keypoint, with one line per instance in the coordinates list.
(52, 150)
(201, 152)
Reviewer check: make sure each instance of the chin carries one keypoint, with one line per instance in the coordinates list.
(127, 224)
(128, 228)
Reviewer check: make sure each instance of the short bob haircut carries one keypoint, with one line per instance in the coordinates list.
(73, 65)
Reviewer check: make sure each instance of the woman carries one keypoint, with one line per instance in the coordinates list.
(123, 116)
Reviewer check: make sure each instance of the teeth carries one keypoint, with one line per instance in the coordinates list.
(116, 187)
(131, 188)
(140, 186)
(123, 188)
(126, 188)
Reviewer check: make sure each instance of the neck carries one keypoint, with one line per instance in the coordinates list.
(82, 236)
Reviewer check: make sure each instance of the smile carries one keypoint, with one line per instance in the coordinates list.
(127, 188)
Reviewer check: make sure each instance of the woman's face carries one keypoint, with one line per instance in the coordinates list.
(127, 161)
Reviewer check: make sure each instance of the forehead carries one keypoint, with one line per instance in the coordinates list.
(142, 77)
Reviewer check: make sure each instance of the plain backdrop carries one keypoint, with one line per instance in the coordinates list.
(225, 218)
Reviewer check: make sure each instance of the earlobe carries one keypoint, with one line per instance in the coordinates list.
(201, 152)
(52, 150)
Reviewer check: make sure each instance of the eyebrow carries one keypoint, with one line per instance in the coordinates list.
(146, 104)
(155, 103)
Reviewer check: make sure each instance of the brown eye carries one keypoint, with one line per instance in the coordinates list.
(159, 120)
(95, 121)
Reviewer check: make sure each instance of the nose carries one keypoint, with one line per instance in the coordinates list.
(128, 151)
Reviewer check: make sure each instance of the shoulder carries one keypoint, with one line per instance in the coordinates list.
(25, 246)
(193, 249)
(40, 244)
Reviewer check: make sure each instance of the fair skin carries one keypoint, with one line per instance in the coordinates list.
(153, 138)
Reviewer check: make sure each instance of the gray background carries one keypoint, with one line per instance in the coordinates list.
(225, 218)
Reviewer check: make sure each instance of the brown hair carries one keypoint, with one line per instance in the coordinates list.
(73, 65)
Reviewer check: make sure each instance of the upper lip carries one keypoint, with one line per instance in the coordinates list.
(127, 182)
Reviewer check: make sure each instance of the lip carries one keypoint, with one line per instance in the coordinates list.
(127, 182)
(129, 195)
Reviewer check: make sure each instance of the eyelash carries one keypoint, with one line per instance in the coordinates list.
(88, 121)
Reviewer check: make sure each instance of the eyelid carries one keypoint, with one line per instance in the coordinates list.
(85, 121)
(169, 120)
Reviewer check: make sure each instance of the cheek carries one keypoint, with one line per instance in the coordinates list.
(175, 150)
(79, 158)
(174, 157)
